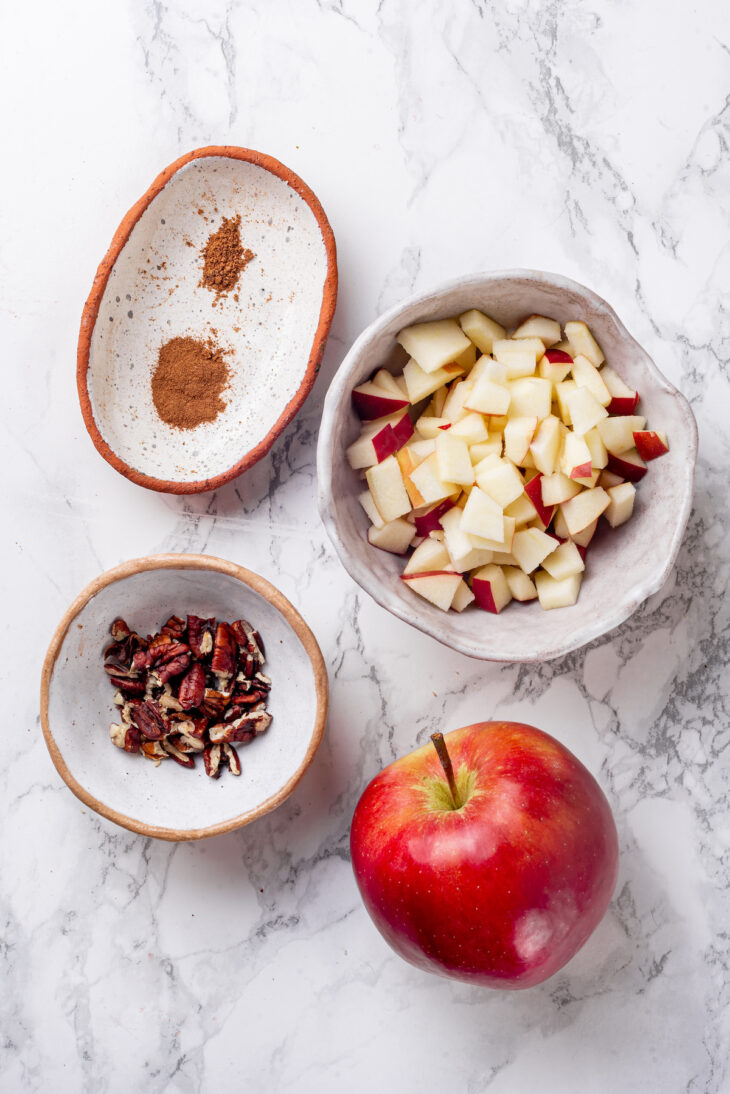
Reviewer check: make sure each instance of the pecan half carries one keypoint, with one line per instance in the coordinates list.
(175, 667)
(212, 760)
(230, 756)
(148, 720)
(223, 662)
(127, 686)
(175, 627)
(192, 687)
(200, 635)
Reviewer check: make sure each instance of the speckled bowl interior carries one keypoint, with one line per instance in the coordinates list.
(169, 801)
(272, 327)
(624, 566)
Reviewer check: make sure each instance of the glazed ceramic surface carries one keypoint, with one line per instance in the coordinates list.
(624, 566)
(168, 800)
(271, 326)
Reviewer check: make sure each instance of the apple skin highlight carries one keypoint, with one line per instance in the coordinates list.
(503, 891)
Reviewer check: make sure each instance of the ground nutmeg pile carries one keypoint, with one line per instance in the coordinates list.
(188, 382)
(224, 257)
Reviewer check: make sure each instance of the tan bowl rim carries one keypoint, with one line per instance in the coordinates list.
(187, 562)
(93, 303)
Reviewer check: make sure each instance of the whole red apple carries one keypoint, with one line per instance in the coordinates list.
(490, 857)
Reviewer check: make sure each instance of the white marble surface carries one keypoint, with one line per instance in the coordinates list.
(589, 137)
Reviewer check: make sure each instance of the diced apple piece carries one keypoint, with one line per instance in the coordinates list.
(629, 465)
(430, 520)
(501, 543)
(609, 479)
(575, 459)
(408, 461)
(472, 429)
(487, 366)
(392, 384)
(482, 330)
(488, 397)
(530, 397)
(459, 544)
(483, 517)
(585, 410)
(463, 597)
(452, 460)
(623, 399)
(621, 505)
(519, 356)
(439, 588)
(557, 594)
(490, 589)
(534, 492)
(650, 444)
(434, 344)
(497, 423)
(530, 546)
(455, 406)
(582, 539)
(429, 427)
(558, 488)
(588, 480)
(420, 450)
(439, 398)
(429, 483)
(555, 366)
(501, 480)
(565, 561)
(521, 509)
(467, 357)
(491, 447)
(617, 433)
(597, 449)
(582, 342)
(380, 439)
(518, 434)
(505, 558)
(584, 508)
(371, 401)
(420, 384)
(366, 500)
(545, 446)
(388, 489)
(519, 583)
(562, 391)
(587, 375)
(395, 536)
(428, 556)
(538, 326)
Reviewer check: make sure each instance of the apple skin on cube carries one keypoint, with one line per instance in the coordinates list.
(483, 517)
(371, 401)
(576, 457)
(621, 505)
(429, 556)
(520, 584)
(490, 589)
(430, 521)
(623, 399)
(380, 439)
(439, 588)
(434, 344)
(530, 546)
(482, 330)
(565, 561)
(557, 594)
(388, 489)
(429, 427)
(584, 508)
(420, 384)
(650, 444)
(582, 342)
(617, 433)
(395, 536)
(533, 489)
(539, 326)
(629, 465)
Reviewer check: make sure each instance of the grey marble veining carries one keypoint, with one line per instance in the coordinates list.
(589, 138)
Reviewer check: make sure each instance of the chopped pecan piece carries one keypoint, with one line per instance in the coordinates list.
(127, 686)
(184, 742)
(248, 639)
(148, 720)
(192, 688)
(175, 667)
(119, 630)
(212, 760)
(200, 635)
(223, 662)
(179, 757)
(153, 750)
(175, 627)
(230, 757)
(214, 703)
(243, 729)
(262, 682)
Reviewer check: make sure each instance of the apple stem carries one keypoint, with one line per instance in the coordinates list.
(443, 754)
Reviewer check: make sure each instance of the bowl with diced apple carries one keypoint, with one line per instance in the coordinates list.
(487, 471)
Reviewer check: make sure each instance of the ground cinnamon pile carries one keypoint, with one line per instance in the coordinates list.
(224, 257)
(188, 383)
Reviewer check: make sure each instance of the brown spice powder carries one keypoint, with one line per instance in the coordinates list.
(188, 383)
(224, 257)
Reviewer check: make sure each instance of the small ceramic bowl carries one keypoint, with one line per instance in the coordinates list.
(272, 328)
(625, 567)
(169, 802)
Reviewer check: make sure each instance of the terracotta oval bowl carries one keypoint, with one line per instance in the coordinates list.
(169, 802)
(625, 567)
(272, 327)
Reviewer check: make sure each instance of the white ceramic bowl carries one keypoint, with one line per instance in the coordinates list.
(167, 801)
(624, 568)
